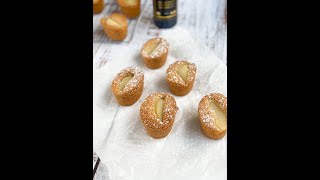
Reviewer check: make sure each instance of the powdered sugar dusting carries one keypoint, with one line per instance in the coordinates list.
(134, 81)
(174, 77)
(161, 48)
(207, 114)
(147, 110)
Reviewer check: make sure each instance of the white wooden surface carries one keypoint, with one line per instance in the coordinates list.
(204, 19)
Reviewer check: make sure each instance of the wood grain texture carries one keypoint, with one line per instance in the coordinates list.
(205, 20)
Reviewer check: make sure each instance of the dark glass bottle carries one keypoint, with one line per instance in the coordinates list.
(165, 13)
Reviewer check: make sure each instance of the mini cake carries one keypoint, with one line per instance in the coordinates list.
(181, 76)
(98, 6)
(157, 114)
(115, 26)
(130, 8)
(127, 86)
(213, 115)
(154, 52)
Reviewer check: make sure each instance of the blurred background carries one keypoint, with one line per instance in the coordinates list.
(205, 20)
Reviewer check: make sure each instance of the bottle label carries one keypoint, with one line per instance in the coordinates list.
(165, 9)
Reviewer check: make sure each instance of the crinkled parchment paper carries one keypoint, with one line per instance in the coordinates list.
(119, 137)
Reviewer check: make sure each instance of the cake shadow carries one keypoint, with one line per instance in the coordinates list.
(108, 96)
(99, 35)
(193, 127)
(139, 61)
(162, 85)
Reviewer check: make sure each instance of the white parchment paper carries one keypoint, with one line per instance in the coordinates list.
(119, 137)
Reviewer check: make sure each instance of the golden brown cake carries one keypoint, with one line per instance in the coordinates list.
(130, 8)
(157, 114)
(213, 115)
(154, 52)
(127, 86)
(115, 26)
(98, 6)
(180, 76)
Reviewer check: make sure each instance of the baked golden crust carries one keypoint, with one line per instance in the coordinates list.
(118, 29)
(98, 6)
(158, 56)
(209, 118)
(154, 126)
(129, 9)
(132, 90)
(177, 85)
